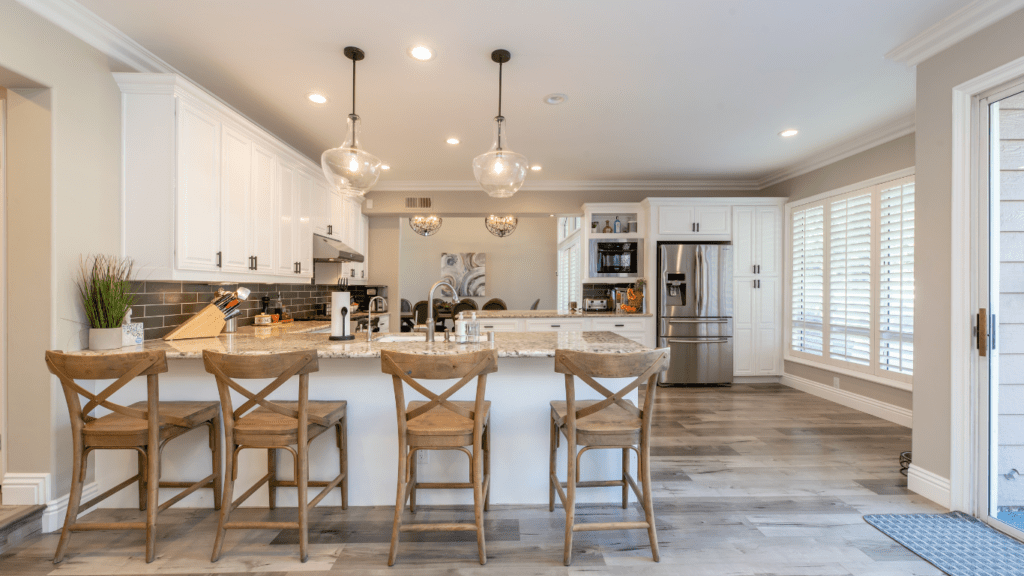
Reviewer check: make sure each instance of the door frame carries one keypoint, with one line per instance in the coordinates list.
(966, 403)
(4, 436)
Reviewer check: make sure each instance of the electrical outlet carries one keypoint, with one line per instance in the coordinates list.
(422, 457)
(835, 381)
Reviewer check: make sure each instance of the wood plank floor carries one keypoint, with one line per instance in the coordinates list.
(750, 480)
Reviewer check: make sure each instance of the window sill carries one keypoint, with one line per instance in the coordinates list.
(851, 373)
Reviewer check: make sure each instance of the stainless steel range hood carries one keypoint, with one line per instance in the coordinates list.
(326, 249)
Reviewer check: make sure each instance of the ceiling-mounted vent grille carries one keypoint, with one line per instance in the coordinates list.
(417, 202)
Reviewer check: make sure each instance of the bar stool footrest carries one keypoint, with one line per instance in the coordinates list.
(610, 526)
(439, 527)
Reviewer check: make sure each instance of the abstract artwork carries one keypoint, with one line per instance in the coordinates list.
(466, 271)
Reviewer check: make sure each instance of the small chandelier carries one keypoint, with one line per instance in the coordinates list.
(425, 225)
(500, 171)
(350, 169)
(501, 226)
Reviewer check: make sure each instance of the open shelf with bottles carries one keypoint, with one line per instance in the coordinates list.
(617, 224)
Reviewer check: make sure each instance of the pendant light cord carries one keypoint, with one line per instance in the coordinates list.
(354, 88)
(500, 64)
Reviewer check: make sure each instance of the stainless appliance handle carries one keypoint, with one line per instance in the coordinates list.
(696, 341)
(700, 321)
(697, 270)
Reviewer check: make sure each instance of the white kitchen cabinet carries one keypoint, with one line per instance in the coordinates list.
(554, 324)
(307, 190)
(757, 301)
(694, 220)
(365, 246)
(757, 240)
(206, 191)
(499, 325)
(768, 327)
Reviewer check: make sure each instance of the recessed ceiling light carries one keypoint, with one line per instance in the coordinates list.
(317, 98)
(385, 167)
(452, 140)
(788, 133)
(555, 99)
(421, 53)
(535, 167)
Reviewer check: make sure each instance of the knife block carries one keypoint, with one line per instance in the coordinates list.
(207, 323)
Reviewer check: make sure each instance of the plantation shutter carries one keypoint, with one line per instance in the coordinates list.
(575, 290)
(896, 284)
(808, 280)
(850, 279)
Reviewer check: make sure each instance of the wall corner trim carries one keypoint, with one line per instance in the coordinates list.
(928, 484)
(56, 510)
(952, 29)
(883, 410)
(26, 488)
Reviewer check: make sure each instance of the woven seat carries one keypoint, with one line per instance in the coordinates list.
(439, 421)
(263, 422)
(613, 421)
(116, 429)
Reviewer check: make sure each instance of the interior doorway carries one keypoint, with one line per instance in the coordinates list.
(3, 284)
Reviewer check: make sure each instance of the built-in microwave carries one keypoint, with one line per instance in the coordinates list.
(610, 258)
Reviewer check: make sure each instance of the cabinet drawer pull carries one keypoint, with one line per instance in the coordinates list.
(218, 259)
(620, 325)
(488, 326)
(556, 325)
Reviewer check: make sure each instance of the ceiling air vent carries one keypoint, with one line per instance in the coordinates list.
(417, 202)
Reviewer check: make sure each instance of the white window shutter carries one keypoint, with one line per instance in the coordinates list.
(850, 279)
(808, 280)
(896, 278)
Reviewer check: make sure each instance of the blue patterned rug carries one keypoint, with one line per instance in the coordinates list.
(957, 544)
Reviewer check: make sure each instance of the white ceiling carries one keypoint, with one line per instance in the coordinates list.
(658, 90)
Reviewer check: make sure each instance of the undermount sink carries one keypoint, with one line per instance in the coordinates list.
(402, 337)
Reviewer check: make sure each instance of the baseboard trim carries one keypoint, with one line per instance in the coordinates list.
(928, 484)
(26, 488)
(56, 510)
(884, 410)
(756, 379)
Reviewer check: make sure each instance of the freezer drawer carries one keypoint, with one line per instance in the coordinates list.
(695, 327)
(698, 360)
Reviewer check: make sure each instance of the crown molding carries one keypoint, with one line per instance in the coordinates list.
(574, 185)
(98, 33)
(877, 137)
(952, 29)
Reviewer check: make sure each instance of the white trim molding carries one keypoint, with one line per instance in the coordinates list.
(886, 133)
(56, 510)
(883, 410)
(928, 484)
(575, 185)
(26, 488)
(964, 404)
(961, 24)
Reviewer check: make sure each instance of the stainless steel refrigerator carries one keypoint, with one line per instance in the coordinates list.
(695, 311)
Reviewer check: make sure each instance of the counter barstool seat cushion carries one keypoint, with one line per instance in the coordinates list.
(443, 422)
(116, 429)
(264, 422)
(598, 428)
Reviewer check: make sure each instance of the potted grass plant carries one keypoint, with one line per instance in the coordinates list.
(105, 283)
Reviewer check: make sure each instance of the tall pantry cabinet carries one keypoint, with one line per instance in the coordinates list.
(757, 281)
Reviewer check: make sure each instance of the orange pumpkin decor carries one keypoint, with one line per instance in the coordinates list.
(635, 294)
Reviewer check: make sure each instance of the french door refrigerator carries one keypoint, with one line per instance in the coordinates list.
(695, 311)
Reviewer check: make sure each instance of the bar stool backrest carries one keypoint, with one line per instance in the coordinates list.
(419, 312)
(495, 304)
(641, 366)
(407, 368)
(122, 368)
(226, 368)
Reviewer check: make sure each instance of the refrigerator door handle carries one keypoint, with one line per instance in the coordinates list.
(696, 341)
(700, 321)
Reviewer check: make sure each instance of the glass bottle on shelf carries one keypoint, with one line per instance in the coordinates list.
(618, 226)
(607, 228)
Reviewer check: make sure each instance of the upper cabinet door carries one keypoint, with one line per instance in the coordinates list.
(236, 210)
(337, 212)
(768, 240)
(287, 223)
(744, 244)
(198, 201)
(321, 205)
(304, 240)
(676, 220)
(264, 199)
(713, 220)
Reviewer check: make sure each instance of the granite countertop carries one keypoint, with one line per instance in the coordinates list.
(551, 314)
(267, 340)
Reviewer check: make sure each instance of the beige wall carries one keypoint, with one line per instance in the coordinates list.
(520, 268)
(992, 47)
(383, 263)
(883, 159)
(70, 209)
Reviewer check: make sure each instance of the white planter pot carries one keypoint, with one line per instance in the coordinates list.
(104, 338)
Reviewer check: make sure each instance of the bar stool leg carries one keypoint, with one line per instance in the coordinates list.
(343, 454)
(215, 447)
(625, 484)
(399, 501)
(74, 499)
(478, 501)
(552, 432)
(487, 466)
(272, 470)
(412, 481)
(142, 481)
(570, 495)
(153, 468)
(302, 478)
(229, 487)
(652, 533)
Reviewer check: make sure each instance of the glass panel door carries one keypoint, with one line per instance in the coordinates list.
(1000, 320)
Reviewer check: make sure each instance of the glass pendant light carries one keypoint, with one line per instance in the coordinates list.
(500, 171)
(350, 169)
(425, 225)
(501, 226)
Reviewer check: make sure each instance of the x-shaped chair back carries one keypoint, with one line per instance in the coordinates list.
(642, 366)
(227, 368)
(122, 368)
(408, 367)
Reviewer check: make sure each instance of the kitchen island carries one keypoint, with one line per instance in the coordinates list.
(520, 392)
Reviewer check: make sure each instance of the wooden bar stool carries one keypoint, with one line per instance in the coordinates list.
(441, 424)
(273, 425)
(144, 426)
(612, 423)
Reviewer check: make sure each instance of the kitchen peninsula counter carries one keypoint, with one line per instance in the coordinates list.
(519, 392)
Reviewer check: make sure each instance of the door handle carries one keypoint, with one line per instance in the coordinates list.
(688, 341)
(982, 332)
(700, 321)
(218, 259)
(698, 226)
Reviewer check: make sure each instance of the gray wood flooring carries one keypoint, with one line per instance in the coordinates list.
(750, 480)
